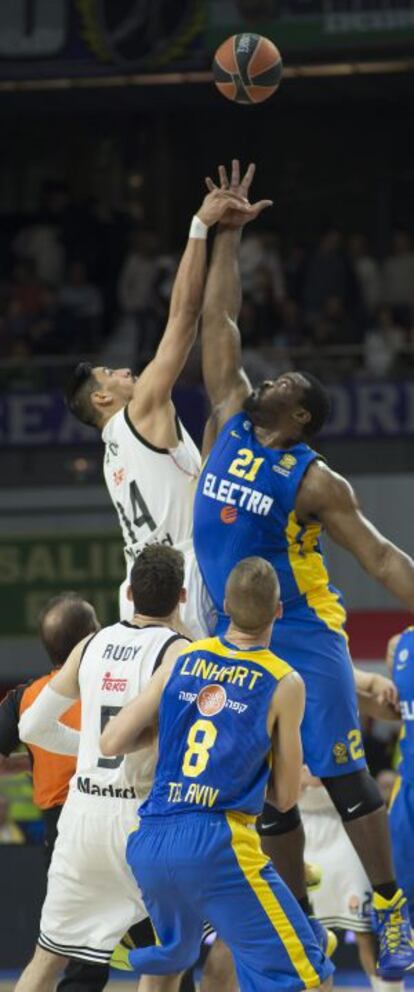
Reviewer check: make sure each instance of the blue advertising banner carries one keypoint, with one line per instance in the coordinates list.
(359, 410)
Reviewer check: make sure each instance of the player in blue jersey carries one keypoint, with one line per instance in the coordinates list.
(400, 661)
(265, 491)
(229, 717)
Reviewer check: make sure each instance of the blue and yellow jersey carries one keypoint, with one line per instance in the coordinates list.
(245, 505)
(403, 676)
(214, 747)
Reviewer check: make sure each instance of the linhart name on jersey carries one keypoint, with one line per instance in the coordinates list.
(212, 672)
(407, 709)
(91, 789)
(235, 494)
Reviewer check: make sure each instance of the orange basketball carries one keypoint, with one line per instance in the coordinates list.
(247, 68)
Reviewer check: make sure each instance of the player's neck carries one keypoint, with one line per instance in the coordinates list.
(276, 437)
(142, 620)
(246, 640)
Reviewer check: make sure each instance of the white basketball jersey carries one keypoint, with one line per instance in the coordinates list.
(117, 664)
(151, 488)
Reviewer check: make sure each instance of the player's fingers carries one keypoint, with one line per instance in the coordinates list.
(261, 205)
(248, 176)
(235, 174)
(224, 182)
(210, 185)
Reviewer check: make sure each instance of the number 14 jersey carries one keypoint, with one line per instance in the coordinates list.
(152, 489)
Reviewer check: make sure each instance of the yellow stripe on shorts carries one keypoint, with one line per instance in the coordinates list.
(395, 790)
(246, 846)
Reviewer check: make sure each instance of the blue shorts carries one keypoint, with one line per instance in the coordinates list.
(196, 866)
(402, 836)
(331, 733)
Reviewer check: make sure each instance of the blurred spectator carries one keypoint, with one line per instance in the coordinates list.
(330, 274)
(259, 257)
(386, 781)
(367, 271)
(26, 291)
(83, 301)
(399, 275)
(137, 289)
(292, 328)
(41, 244)
(10, 833)
(383, 344)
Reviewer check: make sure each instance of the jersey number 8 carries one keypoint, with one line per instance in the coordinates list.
(200, 740)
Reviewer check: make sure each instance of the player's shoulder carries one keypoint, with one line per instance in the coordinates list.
(116, 425)
(273, 664)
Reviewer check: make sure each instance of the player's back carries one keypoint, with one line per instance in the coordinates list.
(245, 505)
(116, 665)
(214, 746)
(152, 489)
(403, 676)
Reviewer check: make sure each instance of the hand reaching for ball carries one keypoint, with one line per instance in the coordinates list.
(233, 217)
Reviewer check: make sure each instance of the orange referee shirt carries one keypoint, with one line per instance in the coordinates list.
(51, 772)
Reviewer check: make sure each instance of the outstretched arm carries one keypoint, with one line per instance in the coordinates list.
(152, 391)
(328, 497)
(40, 723)
(225, 379)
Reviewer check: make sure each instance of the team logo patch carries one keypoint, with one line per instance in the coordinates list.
(211, 700)
(353, 905)
(228, 514)
(112, 684)
(340, 753)
(119, 476)
(288, 461)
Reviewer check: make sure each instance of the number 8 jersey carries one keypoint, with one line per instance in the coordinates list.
(152, 489)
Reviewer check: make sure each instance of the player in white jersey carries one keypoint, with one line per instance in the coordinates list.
(151, 464)
(92, 899)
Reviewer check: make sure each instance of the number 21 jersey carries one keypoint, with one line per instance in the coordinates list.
(152, 489)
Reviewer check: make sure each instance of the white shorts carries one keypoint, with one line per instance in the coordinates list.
(344, 897)
(92, 898)
(197, 613)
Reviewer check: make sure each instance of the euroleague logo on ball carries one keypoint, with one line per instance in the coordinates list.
(228, 515)
(211, 700)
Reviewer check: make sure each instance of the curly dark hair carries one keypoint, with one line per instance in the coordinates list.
(157, 578)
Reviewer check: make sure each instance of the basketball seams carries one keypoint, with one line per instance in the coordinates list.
(252, 58)
(247, 68)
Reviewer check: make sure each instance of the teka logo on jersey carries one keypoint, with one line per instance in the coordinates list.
(211, 700)
(111, 684)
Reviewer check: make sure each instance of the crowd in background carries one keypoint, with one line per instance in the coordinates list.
(75, 280)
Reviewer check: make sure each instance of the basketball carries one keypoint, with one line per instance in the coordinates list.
(247, 68)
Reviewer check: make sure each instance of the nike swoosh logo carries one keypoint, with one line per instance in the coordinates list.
(351, 809)
(235, 434)
(268, 826)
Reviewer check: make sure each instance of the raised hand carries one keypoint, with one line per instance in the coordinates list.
(234, 216)
(219, 203)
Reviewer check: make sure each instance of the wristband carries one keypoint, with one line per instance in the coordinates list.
(198, 229)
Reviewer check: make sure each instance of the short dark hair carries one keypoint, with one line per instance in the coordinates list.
(63, 622)
(316, 401)
(157, 578)
(78, 392)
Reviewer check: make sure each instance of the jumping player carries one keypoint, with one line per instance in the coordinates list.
(265, 491)
(91, 898)
(151, 463)
(230, 709)
(400, 661)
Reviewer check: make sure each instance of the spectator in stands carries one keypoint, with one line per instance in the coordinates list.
(258, 255)
(137, 290)
(292, 329)
(330, 274)
(399, 276)
(40, 244)
(10, 833)
(367, 271)
(81, 300)
(383, 344)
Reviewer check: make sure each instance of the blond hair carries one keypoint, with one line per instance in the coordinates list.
(252, 594)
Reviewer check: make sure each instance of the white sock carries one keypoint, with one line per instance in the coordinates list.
(379, 985)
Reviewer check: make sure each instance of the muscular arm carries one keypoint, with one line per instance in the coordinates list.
(40, 723)
(327, 497)
(287, 716)
(151, 409)
(136, 724)
(225, 379)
